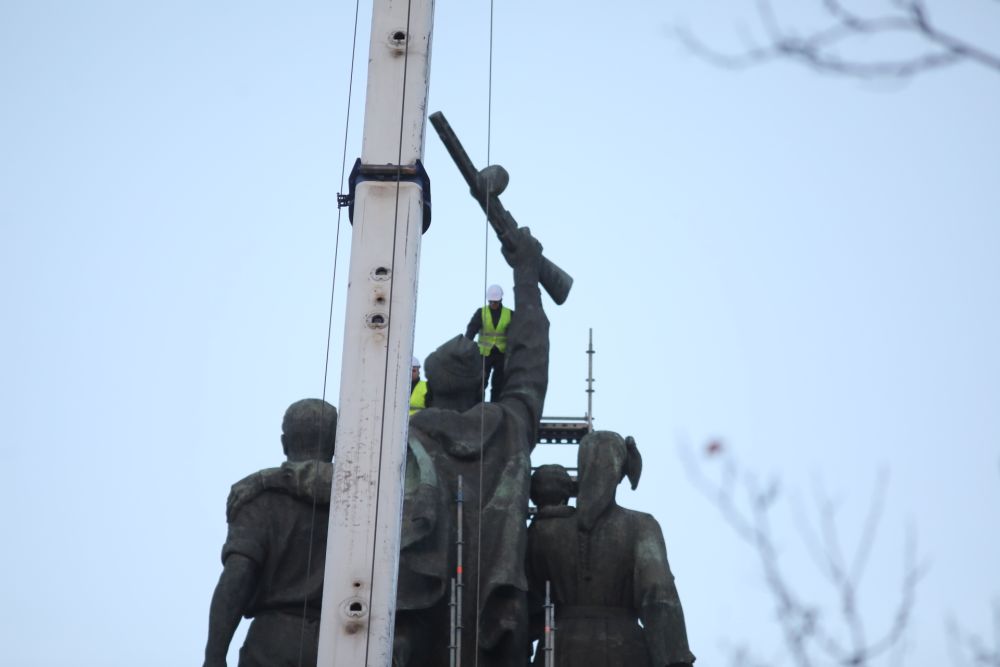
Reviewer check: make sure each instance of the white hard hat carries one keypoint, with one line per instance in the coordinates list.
(416, 363)
(494, 293)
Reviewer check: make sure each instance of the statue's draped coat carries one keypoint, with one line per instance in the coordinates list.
(490, 447)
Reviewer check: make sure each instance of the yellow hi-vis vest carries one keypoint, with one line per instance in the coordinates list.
(489, 336)
(418, 397)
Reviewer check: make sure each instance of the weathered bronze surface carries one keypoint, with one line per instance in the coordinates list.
(275, 550)
(551, 489)
(616, 604)
(489, 445)
(608, 569)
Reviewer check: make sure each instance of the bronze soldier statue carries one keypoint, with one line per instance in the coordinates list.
(489, 445)
(275, 551)
(608, 570)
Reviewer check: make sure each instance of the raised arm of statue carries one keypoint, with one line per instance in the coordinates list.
(527, 368)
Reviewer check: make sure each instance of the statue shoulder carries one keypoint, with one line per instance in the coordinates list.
(244, 491)
(303, 480)
(459, 434)
(643, 521)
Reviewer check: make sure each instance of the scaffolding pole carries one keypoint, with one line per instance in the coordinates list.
(550, 628)
(590, 380)
(459, 576)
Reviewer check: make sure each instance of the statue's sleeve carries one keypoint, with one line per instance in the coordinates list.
(248, 532)
(657, 600)
(527, 356)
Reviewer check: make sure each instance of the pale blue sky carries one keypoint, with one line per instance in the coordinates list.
(803, 266)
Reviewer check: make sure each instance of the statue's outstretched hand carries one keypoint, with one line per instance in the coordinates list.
(521, 249)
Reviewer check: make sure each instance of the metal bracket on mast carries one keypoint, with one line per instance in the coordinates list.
(402, 173)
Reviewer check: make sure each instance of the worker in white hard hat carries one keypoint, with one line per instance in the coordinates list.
(491, 322)
(418, 388)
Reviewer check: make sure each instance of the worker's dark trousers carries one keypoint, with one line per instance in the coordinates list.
(494, 364)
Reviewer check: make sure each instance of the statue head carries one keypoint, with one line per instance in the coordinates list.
(551, 485)
(309, 430)
(454, 374)
(603, 460)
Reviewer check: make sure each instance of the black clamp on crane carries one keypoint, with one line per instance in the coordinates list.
(387, 173)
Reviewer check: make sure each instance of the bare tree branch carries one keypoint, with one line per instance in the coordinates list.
(871, 527)
(971, 649)
(819, 49)
(807, 632)
(913, 572)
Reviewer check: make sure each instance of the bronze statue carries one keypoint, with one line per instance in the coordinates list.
(608, 570)
(275, 550)
(551, 489)
(489, 445)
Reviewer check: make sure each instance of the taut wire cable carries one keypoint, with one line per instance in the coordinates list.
(392, 279)
(392, 282)
(482, 412)
(329, 334)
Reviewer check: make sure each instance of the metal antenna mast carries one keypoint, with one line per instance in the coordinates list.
(389, 192)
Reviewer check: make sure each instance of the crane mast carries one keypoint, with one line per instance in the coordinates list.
(390, 202)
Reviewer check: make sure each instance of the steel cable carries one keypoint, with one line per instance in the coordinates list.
(329, 333)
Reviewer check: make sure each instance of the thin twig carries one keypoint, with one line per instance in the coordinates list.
(804, 628)
(818, 49)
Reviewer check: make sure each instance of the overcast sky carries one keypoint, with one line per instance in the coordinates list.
(804, 267)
